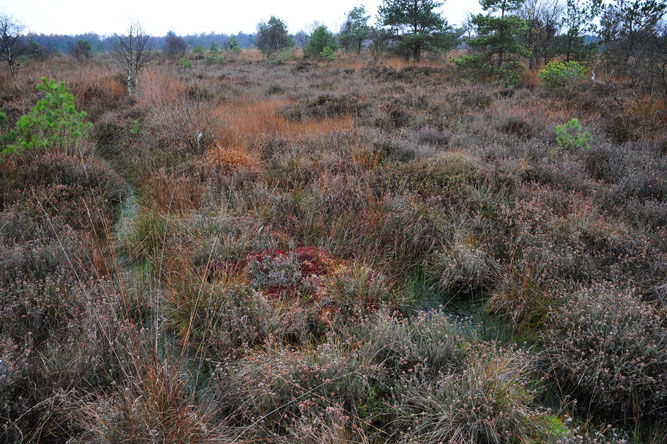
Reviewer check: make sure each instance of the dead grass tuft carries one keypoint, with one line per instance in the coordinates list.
(244, 124)
(161, 88)
(230, 158)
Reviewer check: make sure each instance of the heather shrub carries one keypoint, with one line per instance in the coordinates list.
(352, 293)
(65, 185)
(464, 269)
(36, 259)
(660, 145)
(565, 174)
(446, 176)
(517, 126)
(275, 89)
(328, 105)
(433, 137)
(607, 348)
(392, 151)
(644, 183)
(38, 308)
(226, 318)
(489, 400)
(395, 115)
(437, 382)
(405, 233)
(602, 164)
(473, 97)
(14, 365)
(278, 385)
(277, 273)
(620, 128)
(569, 258)
(53, 344)
(108, 136)
(329, 426)
(100, 343)
(223, 241)
(289, 172)
(297, 321)
(650, 213)
(430, 343)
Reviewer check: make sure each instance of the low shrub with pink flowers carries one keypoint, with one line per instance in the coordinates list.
(609, 347)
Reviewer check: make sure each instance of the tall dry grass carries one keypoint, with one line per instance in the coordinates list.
(248, 122)
(241, 126)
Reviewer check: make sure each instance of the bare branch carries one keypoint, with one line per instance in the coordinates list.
(11, 43)
(132, 52)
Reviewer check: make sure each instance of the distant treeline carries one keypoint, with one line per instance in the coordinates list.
(58, 43)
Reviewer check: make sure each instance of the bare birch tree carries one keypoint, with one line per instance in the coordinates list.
(132, 52)
(11, 44)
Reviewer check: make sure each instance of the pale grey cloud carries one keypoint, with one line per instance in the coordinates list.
(191, 16)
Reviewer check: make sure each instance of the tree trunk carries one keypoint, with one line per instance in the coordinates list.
(569, 48)
(11, 59)
(502, 27)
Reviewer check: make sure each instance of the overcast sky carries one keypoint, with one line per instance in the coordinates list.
(192, 16)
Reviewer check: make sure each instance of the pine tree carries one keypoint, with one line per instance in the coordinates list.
(416, 26)
(577, 20)
(34, 50)
(635, 39)
(499, 35)
(233, 47)
(322, 38)
(497, 47)
(355, 30)
(273, 36)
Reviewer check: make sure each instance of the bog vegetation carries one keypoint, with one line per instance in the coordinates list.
(400, 232)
